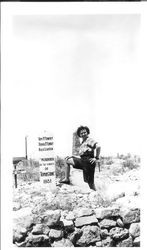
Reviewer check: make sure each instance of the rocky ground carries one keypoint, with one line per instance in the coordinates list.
(116, 189)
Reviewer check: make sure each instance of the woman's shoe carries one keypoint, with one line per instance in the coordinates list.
(65, 182)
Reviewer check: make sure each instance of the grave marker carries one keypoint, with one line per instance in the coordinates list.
(46, 159)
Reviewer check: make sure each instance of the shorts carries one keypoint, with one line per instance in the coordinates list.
(87, 167)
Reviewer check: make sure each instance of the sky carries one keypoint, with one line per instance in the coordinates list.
(64, 71)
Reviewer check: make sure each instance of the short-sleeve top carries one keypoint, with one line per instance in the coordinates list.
(87, 148)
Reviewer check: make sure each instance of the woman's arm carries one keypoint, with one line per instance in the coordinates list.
(96, 153)
(98, 150)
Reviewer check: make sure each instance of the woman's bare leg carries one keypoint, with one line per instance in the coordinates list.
(68, 162)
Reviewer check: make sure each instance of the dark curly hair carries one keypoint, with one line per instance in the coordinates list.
(81, 128)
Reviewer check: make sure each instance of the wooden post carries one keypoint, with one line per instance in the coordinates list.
(26, 147)
(15, 175)
(99, 165)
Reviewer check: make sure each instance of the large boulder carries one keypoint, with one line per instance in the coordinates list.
(125, 243)
(134, 230)
(91, 234)
(83, 212)
(86, 220)
(24, 222)
(108, 212)
(98, 198)
(55, 234)
(37, 240)
(136, 242)
(70, 216)
(62, 243)
(118, 233)
(130, 215)
(68, 225)
(37, 219)
(74, 236)
(98, 244)
(18, 237)
(20, 230)
(51, 218)
(119, 223)
(19, 233)
(108, 242)
(107, 223)
(40, 229)
(104, 233)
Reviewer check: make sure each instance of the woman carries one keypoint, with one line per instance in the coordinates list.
(89, 156)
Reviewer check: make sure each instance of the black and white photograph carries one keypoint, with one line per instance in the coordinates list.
(73, 98)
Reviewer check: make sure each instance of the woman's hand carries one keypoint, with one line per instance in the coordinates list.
(92, 160)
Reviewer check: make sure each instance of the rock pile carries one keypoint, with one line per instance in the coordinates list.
(75, 216)
(82, 227)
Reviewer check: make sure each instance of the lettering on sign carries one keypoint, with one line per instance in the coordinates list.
(46, 159)
(45, 149)
(45, 138)
(47, 174)
(45, 144)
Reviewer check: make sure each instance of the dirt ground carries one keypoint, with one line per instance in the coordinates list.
(112, 184)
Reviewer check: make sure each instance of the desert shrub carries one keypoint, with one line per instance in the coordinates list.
(31, 163)
(106, 160)
(30, 176)
(130, 164)
(135, 158)
(59, 167)
(109, 162)
(28, 171)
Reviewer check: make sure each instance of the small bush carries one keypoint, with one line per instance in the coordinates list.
(130, 164)
(106, 160)
(109, 162)
(59, 167)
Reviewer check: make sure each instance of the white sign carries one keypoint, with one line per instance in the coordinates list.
(46, 159)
